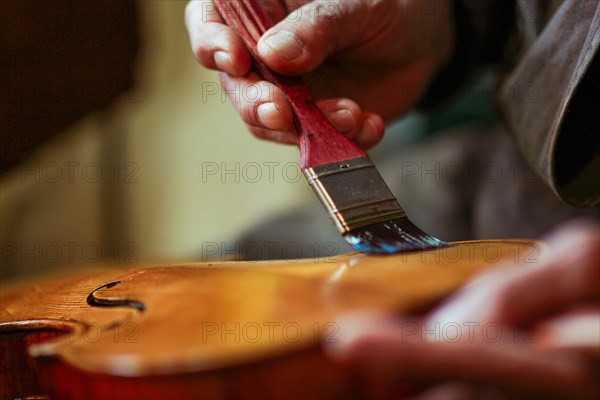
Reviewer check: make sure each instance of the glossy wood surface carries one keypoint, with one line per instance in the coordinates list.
(217, 329)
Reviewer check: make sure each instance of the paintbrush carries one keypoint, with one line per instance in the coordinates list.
(359, 202)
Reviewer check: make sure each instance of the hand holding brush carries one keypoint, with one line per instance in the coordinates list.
(356, 197)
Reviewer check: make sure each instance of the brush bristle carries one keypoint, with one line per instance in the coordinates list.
(398, 235)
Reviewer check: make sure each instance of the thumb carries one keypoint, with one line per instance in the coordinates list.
(299, 43)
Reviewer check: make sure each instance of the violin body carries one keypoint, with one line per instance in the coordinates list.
(218, 330)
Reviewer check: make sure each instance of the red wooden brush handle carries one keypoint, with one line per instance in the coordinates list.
(320, 142)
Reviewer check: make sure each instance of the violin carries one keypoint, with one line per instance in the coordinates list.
(223, 330)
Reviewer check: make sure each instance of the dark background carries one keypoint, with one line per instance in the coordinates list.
(60, 60)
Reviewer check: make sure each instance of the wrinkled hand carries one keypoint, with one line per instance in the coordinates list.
(365, 61)
(513, 332)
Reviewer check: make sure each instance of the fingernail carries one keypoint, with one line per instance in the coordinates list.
(223, 61)
(269, 116)
(285, 44)
(343, 120)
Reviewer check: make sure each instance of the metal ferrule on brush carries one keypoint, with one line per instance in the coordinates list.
(354, 193)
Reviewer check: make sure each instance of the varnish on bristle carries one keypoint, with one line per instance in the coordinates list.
(390, 237)
(364, 209)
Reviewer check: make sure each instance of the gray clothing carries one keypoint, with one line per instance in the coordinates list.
(551, 103)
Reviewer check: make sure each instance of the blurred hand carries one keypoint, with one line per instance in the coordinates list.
(513, 332)
(365, 61)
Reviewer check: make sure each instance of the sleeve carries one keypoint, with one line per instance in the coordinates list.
(551, 104)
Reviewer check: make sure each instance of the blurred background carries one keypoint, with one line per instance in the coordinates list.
(118, 148)
(140, 176)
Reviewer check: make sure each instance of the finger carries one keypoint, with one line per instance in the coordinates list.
(372, 132)
(301, 42)
(283, 137)
(365, 128)
(344, 114)
(214, 44)
(578, 329)
(266, 111)
(376, 346)
(568, 273)
(259, 103)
